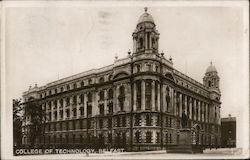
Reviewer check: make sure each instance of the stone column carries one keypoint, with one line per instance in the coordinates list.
(164, 98)
(153, 96)
(78, 105)
(52, 110)
(185, 99)
(105, 101)
(143, 95)
(190, 107)
(207, 113)
(85, 104)
(146, 40)
(134, 46)
(150, 40)
(195, 110)
(159, 96)
(180, 104)
(116, 108)
(135, 97)
(199, 111)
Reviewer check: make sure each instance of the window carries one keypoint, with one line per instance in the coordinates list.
(89, 110)
(101, 109)
(101, 123)
(68, 112)
(118, 122)
(68, 87)
(90, 81)
(67, 138)
(137, 137)
(61, 114)
(55, 115)
(101, 95)
(148, 120)
(82, 83)
(121, 97)
(55, 104)
(156, 69)
(101, 80)
(137, 120)
(110, 94)
(138, 68)
(74, 100)
(110, 107)
(89, 97)
(50, 92)
(124, 121)
(110, 123)
(148, 137)
(141, 43)
(68, 101)
(149, 67)
(60, 126)
(73, 138)
(74, 86)
(55, 91)
(109, 138)
(157, 137)
(61, 89)
(73, 125)
(67, 125)
(81, 98)
(74, 112)
(81, 111)
(158, 121)
(61, 102)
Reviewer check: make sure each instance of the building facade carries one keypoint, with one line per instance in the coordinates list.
(135, 103)
(228, 130)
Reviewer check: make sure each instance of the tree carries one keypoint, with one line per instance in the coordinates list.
(17, 122)
(37, 120)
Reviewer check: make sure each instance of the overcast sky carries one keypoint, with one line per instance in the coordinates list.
(45, 43)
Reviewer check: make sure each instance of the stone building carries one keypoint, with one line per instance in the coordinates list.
(228, 131)
(135, 103)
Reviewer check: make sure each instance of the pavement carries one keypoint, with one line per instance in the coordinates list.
(222, 153)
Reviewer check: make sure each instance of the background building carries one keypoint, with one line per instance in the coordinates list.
(135, 103)
(228, 131)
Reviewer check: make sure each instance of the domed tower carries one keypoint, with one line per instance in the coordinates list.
(145, 36)
(211, 78)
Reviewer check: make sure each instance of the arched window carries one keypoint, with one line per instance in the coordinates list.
(209, 83)
(141, 43)
(101, 80)
(82, 83)
(74, 86)
(68, 87)
(90, 81)
(138, 68)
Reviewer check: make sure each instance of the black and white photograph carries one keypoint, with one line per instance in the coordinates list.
(125, 79)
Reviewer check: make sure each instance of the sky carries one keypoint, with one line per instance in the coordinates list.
(45, 43)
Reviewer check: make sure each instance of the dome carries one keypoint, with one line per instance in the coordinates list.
(211, 68)
(146, 17)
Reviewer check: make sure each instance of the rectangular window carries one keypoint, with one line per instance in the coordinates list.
(81, 111)
(124, 121)
(148, 137)
(101, 123)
